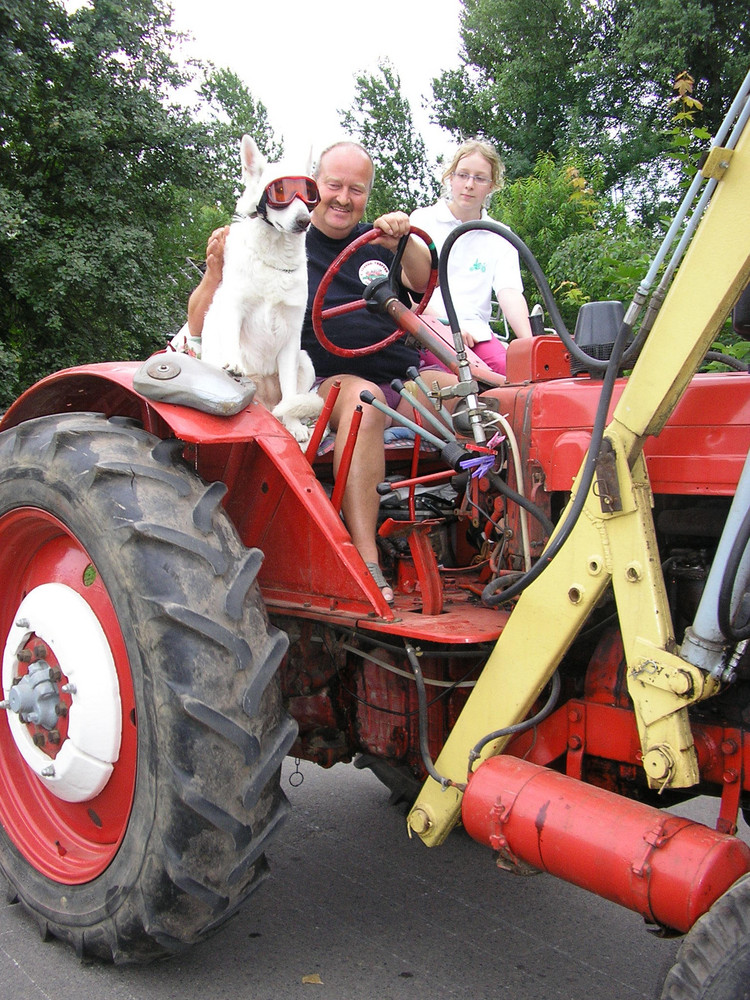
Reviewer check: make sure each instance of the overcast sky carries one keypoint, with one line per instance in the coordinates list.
(300, 58)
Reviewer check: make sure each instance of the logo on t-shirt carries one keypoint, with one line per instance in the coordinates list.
(478, 265)
(372, 269)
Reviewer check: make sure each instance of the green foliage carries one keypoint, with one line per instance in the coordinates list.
(96, 172)
(380, 118)
(582, 241)
(542, 78)
(234, 113)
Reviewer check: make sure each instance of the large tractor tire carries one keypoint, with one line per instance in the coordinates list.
(142, 730)
(713, 962)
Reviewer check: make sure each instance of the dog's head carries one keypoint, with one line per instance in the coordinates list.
(261, 198)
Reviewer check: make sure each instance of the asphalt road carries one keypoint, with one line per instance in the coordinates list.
(367, 914)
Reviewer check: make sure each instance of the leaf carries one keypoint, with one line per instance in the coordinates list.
(313, 979)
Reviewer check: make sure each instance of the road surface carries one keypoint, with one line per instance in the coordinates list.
(354, 910)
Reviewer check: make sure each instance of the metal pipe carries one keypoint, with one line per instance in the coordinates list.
(704, 644)
(342, 473)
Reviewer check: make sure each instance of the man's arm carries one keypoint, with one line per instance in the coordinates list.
(202, 296)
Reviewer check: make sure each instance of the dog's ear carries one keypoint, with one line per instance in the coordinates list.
(252, 160)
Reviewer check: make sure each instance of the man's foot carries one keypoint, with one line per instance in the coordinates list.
(377, 575)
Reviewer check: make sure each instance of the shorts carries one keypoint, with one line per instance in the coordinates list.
(393, 398)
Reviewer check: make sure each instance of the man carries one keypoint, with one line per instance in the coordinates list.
(344, 175)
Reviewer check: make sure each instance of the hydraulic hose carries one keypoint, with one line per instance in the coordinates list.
(520, 727)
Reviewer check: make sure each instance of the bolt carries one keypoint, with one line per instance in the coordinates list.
(48, 772)
(53, 736)
(38, 739)
(68, 689)
(61, 710)
(658, 763)
(55, 674)
(22, 623)
(728, 747)
(5, 703)
(24, 656)
(419, 821)
(575, 742)
(40, 651)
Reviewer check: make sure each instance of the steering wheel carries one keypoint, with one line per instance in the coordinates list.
(319, 314)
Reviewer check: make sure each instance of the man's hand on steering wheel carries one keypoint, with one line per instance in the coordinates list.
(415, 259)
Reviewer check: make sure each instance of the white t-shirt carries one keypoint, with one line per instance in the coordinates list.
(479, 261)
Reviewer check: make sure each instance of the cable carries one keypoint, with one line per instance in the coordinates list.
(424, 748)
(520, 727)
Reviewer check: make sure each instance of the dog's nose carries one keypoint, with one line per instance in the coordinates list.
(302, 222)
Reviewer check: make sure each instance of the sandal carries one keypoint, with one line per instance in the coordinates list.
(385, 588)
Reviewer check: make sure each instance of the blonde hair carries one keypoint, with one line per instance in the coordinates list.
(467, 148)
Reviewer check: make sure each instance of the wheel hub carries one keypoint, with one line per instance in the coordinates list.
(55, 636)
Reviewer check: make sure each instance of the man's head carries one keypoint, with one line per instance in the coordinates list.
(344, 173)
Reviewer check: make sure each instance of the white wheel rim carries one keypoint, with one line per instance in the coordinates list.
(62, 619)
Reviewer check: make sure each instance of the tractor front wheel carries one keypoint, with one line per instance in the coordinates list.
(713, 962)
(142, 729)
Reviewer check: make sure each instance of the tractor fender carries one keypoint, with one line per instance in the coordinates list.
(197, 402)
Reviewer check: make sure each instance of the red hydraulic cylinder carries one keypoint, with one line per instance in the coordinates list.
(670, 870)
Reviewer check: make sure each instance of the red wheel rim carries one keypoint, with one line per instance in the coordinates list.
(68, 842)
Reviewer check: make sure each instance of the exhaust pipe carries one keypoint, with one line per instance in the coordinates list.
(668, 869)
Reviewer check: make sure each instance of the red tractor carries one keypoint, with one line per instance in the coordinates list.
(566, 652)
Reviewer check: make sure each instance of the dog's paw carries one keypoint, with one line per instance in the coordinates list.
(299, 431)
(234, 370)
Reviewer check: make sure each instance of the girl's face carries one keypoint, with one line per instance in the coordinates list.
(470, 183)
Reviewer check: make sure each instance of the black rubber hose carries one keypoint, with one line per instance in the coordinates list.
(593, 364)
(597, 434)
(502, 487)
(520, 727)
(424, 747)
(728, 360)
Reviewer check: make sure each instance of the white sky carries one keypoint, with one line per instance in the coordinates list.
(300, 58)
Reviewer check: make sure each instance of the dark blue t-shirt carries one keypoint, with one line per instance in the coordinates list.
(358, 329)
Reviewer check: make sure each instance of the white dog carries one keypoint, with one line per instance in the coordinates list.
(254, 322)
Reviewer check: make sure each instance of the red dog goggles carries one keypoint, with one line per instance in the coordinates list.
(283, 191)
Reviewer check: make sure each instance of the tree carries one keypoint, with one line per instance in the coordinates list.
(234, 113)
(381, 119)
(583, 242)
(99, 175)
(542, 78)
